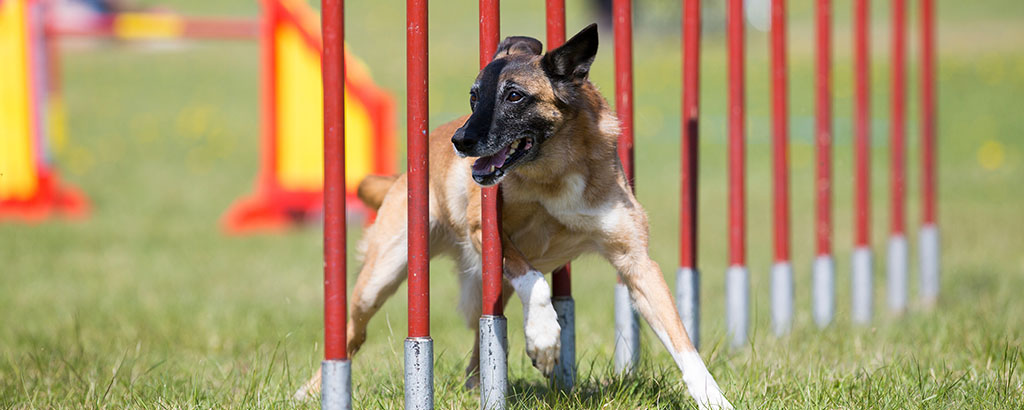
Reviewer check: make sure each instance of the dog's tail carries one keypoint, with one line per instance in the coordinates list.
(373, 188)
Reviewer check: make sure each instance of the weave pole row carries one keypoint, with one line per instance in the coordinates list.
(823, 268)
(336, 388)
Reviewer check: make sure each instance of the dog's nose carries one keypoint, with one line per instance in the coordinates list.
(462, 142)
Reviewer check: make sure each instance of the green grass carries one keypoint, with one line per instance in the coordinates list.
(147, 305)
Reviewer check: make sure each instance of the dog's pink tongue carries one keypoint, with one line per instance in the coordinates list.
(484, 164)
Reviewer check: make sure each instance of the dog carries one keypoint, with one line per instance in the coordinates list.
(541, 129)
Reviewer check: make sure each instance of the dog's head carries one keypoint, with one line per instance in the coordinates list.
(519, 100)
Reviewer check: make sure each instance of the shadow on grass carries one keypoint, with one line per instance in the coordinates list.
(648, 386)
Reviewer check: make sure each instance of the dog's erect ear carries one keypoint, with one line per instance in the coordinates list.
(518, 45)
(572, 60)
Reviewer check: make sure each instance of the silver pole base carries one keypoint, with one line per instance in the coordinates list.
(737, 295)
(627, 332)
(824, 290)
(336, 385)
(862, 290)
(564, 376)
(419, 373)
(493, 362)
(688, 302)
(782, 298)
(929, 254)
(897, 274)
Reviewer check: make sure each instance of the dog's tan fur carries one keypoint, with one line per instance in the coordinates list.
(572, 199)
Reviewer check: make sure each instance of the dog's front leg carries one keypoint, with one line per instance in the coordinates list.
(624, 244)
(540, 322)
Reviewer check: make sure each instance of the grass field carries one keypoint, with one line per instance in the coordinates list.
(148, 305)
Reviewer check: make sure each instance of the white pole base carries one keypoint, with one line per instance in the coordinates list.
(688, 302)
(336, 385)
(782, 297)
(419, 373)
(929, 263)
(737, 295)
(897, 274)
(824, 290)
(565, 371)
(493, 362)
(861, 287)
(627, 332)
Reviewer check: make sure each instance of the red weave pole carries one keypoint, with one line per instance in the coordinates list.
(690, 132)
(928, 171)
(737, 223)
(861, 125)
(491, 196)
(898, 121)
(561, 279)
(334, 179)
(622, 17)
(823, 122)
(555, 13)
(419, 197)
(780, 131)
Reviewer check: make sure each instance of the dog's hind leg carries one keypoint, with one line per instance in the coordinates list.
(384, 269)
(384, 266)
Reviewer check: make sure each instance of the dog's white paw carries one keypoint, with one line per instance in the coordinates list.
(540, 322)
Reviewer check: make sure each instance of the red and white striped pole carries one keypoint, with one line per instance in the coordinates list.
(419, 347)
(627, 333)
(823, 272)
(737, 281)
(493, 326)
(897, 257)
(782, 269)
(861, 288)
(561, 280)
(336, 375)
(688, 276)
(929, 235)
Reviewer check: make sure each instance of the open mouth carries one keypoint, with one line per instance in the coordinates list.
(491, 167)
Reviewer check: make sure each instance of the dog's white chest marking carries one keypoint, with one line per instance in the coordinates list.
(571, 209)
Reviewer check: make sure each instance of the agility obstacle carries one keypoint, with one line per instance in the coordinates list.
(627, 330)
(30, 188)
(688, 276)
(336, 370)
(561, 279)
(782, 269)
(289, 183)
(737, 280)
(493, 326)
(861, 274)
(861, 286)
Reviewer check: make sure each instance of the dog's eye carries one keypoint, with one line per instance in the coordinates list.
(472, 97)
(514, 96)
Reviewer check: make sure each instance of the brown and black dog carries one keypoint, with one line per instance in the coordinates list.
(541, 129)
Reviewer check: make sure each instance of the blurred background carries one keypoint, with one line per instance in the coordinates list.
(147, 302)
